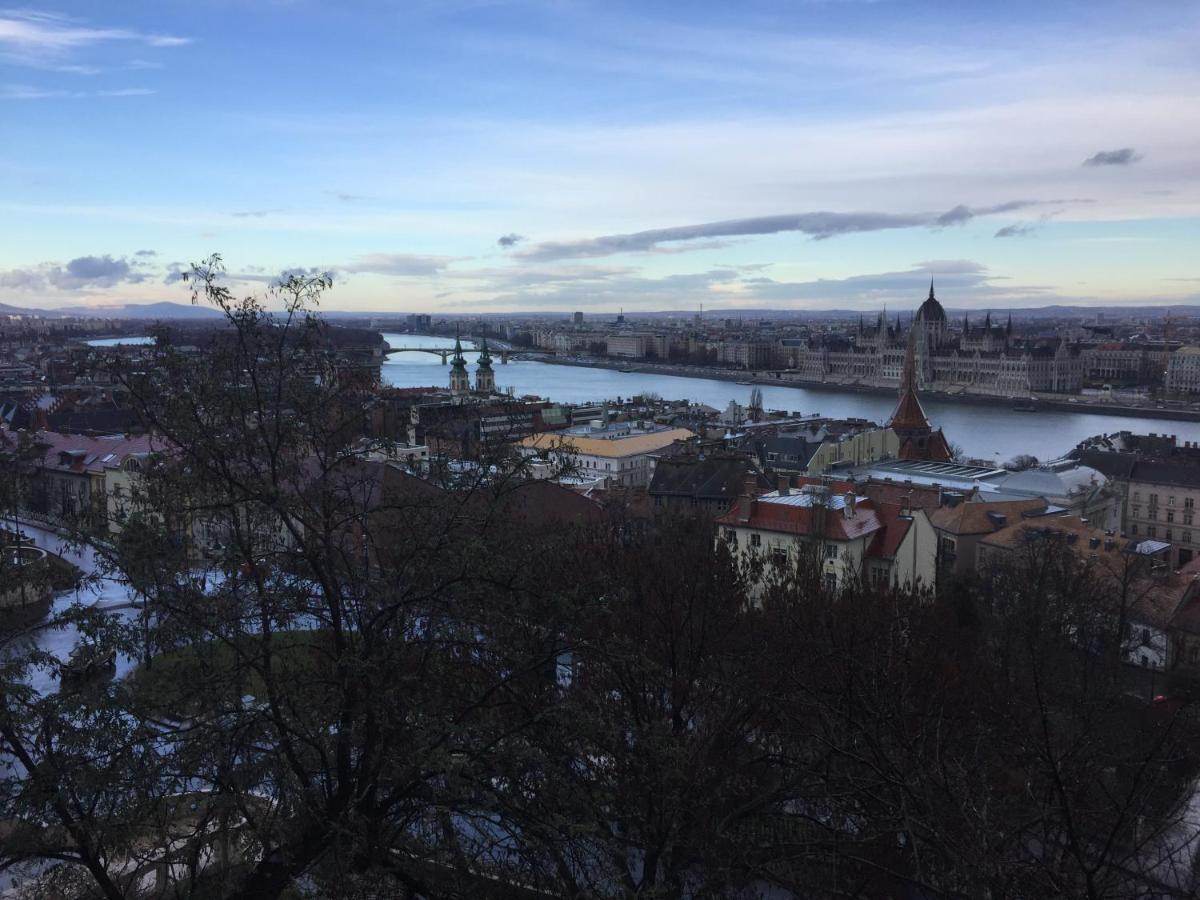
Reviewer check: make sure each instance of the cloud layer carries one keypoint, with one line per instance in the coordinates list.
(817, 225)
(81, 273)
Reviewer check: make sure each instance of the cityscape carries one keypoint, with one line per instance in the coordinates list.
(784, 554)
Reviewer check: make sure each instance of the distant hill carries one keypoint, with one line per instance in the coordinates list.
(161, 310)
(9, 310)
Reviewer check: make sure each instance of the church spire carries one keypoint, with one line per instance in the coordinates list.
(485, 377)
(459, 380)
(931, 297)
(915, 436)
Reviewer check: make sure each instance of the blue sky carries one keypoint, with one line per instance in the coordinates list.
(637, 155)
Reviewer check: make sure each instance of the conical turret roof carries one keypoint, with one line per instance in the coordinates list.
(909, 415)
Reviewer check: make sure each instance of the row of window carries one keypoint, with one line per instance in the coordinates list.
(1152, 515)
(1188, 502)
(1169, 535)
(777, 553)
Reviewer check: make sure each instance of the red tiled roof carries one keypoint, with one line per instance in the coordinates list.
(895, 528)
(909, 414)
(919, 496)
(794, 519)
(88, 454)
(973, 518)
(935, 449)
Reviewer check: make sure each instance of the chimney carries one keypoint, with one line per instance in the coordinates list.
(851, 501)
(746, 500)
(785, 485)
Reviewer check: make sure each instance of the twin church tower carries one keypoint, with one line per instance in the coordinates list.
(460, 380)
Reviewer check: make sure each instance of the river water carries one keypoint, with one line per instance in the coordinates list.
(989, 432)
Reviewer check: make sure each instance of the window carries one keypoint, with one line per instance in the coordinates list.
(1187, 518)
(731, 536)
(1153, 514)
(779, 556)
(1171, 500)
(1187, 537)
(1133, 529)
(1189, 502)
(1145, 635)
(830, 581)
(1154, 499)
(1170, 515)
(1137, 512)
(1137, 496)
(1169, 535)
(1152, 531)
(755, 540)
(831, 551)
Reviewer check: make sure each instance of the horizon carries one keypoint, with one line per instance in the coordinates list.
(537, 158)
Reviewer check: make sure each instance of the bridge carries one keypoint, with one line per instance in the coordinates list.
(446, 352)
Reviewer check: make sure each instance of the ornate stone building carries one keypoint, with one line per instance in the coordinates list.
(980, 358)
(485, 376)
(460, 380)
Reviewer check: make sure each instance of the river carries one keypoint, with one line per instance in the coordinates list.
(131, 341)
(983, 431)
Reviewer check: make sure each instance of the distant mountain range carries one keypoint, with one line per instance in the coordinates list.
(161, 310)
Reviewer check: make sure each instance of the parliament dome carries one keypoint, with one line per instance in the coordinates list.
(931, 310)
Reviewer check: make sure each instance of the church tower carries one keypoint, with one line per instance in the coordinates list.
(917, 438)
(460, 382)
(485, 378)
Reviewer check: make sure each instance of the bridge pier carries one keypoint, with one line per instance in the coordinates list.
(504, 357)
(444, 355)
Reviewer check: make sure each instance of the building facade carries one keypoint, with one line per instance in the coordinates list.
(977, 358)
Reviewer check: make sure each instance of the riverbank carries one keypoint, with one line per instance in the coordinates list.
(1042, 403)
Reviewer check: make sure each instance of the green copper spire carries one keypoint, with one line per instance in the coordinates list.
(457, 360)
(485, 358)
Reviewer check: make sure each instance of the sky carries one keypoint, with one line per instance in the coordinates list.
(466, 156)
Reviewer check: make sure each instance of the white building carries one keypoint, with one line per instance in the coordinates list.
(883, 542)
(1183, 371)
(619, 453)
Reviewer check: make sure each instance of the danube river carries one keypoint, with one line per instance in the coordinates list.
(983, 431)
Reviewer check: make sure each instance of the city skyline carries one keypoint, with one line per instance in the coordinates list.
(490, 157)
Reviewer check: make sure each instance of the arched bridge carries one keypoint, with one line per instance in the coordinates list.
(446, 352)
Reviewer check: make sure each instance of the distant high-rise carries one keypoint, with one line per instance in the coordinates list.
(578, 319)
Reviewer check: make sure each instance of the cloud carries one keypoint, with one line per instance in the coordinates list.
(817, 225)
(32, 92)
(146, 253)
(28, 32)
(961, 215)
(510, 240)
(1124, 157)
(127, 92)
(403, 265)
(252, 213)
(1018, 229)
(83, 272)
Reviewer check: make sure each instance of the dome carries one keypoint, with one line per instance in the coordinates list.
(931, 310)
